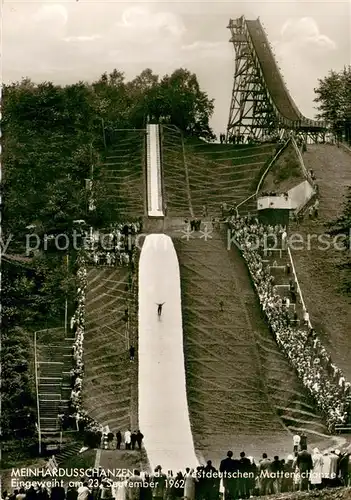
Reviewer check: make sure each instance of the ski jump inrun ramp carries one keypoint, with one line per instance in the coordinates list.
(163, 405)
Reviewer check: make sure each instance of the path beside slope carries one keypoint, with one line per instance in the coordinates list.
(330, 311)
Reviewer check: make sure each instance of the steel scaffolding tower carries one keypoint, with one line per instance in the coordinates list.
(261, 105)
(251, 114)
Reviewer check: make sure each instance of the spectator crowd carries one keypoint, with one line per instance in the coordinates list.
(115, 246)
(120, 238)
(240, 478)
(301, 345)
(274, 193)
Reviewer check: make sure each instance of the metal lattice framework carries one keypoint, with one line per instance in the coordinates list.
(261, 104)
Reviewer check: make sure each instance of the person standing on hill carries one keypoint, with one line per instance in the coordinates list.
(243, 482)
(109, 439)
(303, 442)
(128, 439)
(139, 440)
(276, 468)
(159, 481)
(230, 484)
(135, 483)
(133, 439)
(317, 473)
(131, 353)
(209, 490)
(189, 484)
(296, 442)
(316, 208)
(119, 440)
(265, 480)
(83, 491)
(305, 465)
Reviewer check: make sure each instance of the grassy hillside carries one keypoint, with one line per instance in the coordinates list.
(285, 174)
(330, 311)
(107, 385)
(202, 173)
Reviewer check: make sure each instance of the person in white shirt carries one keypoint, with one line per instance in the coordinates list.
(306, 317)
(105, 489)
(284, 236)
(317, 472)
(296, 442)
(83, 492)
(128, 439)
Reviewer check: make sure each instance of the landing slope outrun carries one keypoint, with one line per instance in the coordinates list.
(330, 312)
(228, 402)
(163, 406)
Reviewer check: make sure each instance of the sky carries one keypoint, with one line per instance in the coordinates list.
(68, 41)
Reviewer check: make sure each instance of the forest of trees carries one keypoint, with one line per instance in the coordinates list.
(51, 137)
(333, 98)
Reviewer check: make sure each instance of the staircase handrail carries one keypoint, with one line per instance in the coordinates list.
(305, 173)
(37, 389)
(275, 157)
(302, 164)
(51, 329)
(298, 284)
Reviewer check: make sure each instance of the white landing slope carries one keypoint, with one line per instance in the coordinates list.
(163, 406)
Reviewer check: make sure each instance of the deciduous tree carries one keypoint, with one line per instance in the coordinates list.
(333, 96)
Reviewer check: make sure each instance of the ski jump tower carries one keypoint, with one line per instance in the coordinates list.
(261, 104)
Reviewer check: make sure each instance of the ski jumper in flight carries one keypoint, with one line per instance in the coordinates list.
(159, 308)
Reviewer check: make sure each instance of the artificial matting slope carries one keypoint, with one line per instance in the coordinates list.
(163, 406)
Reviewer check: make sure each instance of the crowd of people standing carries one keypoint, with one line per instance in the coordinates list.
(113, 246)
(122, 238)
(302, 346)
(240, 477)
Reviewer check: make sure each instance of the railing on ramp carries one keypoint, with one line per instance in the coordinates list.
(271, 163)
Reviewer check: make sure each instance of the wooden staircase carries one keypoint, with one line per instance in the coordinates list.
(54, 362)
